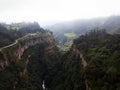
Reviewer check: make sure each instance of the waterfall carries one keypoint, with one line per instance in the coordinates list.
(43, 85)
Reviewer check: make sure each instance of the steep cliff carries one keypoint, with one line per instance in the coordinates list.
(15, 62)
(16, 50)
(92, 63)
(29, 57)
(77, 52)
(10, 32)
(84, 62)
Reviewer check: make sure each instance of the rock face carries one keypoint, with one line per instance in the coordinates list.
(49, 50)
(1, 64)
(77, 52)
(84, 62)
(15, 52)
(19, 51)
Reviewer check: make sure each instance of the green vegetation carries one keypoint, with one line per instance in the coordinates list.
(11, 74)
(70, 76)
(66, 41)
(33, 36)
(101, 51)
(80, 27)
(41, 67)
(13, 27)
(8, 35)
(22, 41)
(69, 35)
(61, 70)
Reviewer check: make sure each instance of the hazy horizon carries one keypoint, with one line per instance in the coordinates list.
(48, 12)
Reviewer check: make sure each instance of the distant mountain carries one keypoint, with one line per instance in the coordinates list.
(80, 27)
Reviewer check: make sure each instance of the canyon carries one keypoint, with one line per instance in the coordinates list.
(17, 49)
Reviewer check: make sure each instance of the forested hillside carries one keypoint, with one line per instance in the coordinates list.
(31, 60)
(10, 32)
(92, 63)
(59, 44)
(28, 61)
(80, 27)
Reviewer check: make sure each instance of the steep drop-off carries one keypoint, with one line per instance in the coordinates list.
(92, 63)
(33, 62)
(18, 58)
(15, 51)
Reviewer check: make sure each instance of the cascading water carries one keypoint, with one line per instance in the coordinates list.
(43, 85)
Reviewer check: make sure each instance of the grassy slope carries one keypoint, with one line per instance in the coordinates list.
(69, 35)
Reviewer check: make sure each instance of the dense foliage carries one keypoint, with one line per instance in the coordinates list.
(20, 75)
(61, 72)
(9, 35)
(70, 76)
(41, 67)
(102, 52)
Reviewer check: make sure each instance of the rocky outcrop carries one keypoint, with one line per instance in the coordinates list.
(49, 50)
(2, 64)
(84, 62)
(77, 52)
(19, 51)
(15, 52)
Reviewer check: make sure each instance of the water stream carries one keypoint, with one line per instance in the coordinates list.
(43, 85)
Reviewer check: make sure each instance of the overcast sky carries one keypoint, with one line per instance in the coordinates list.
(46, 11)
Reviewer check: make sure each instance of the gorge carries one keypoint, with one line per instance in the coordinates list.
(33, 61)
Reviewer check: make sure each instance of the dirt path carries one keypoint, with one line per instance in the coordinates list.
(16, 41)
